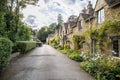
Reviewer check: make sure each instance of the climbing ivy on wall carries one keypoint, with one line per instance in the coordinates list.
(78, 41)
(55, 41)
(108, 28)
(102, 34)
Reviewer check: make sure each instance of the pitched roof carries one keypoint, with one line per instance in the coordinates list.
(85, 16)
(112, 2)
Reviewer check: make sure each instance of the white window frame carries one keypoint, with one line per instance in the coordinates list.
(100, 16)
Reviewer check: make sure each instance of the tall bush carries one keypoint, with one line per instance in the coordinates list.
(5, 51)
(24, 46)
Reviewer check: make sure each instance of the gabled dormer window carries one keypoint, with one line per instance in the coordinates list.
(79, 24)
(100, 16)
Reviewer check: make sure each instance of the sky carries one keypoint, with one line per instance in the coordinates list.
(46, 11)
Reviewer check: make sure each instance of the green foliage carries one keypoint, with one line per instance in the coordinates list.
(10, 22)
(55, 42)
(87, 34)
(75, 56)
(66, 46)
(108, 28)
(102, 68)
(23, 33)
(78, 41)
(102, 35)
(42, 34)
(5, 51)
(60, 21)
(2, 25)
(60, 47)
(63, 51)
(24, 46)
(91, 33)
(72, 54)
(57, 39)
(38, 43)
(11, 27)
(45, 31)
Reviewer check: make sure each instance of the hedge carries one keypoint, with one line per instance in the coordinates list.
(38, 44)
(5, 51)
(24, 46)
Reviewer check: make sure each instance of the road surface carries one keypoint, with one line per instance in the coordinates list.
(44, 63)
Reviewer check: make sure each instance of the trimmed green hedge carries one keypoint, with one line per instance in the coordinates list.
(38, 44)
(5, 51)
(24, 46)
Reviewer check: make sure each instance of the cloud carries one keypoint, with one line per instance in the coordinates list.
(70, 2)
(48, 10)
(46, 1)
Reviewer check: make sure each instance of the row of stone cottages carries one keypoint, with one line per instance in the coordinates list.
(104, 10)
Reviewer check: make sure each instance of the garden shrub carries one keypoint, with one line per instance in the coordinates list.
(63, 51)
(102, 68)
(75, 55)
(72, 54)
(38, 44)
(78, 41)
(69, 51)
(5, 51)
(59, 47)
(24, 46)
(55, 42)
(66, 46)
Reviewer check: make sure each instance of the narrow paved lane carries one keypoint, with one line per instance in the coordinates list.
(44, 63)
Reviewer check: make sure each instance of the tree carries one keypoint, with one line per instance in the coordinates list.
(2, 25)
(23, 33)
(10, 21)
(52, 27)
(3, 10)
(45, 31)
(42, 34)
(60, 20)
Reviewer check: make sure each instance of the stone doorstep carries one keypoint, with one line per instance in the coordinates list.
(13, 55)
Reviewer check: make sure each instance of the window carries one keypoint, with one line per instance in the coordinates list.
(116, 48)
(79, 24)
(101, 16)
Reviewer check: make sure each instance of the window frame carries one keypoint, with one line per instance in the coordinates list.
(79, 24)
(100, 16)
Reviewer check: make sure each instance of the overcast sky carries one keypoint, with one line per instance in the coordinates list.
(48, 10)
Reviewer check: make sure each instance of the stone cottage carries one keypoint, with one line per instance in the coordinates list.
(67, 29)
(107, 10)
(89, 17)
